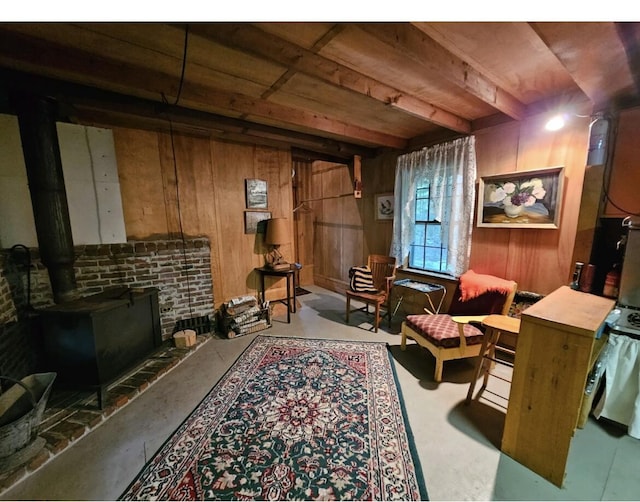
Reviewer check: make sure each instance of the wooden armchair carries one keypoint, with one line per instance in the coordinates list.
(383, 269)
(457, 334)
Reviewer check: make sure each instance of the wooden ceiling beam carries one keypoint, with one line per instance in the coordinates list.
(629, 34)
(324, 40)
(413, 42)
(601, 77)
(74, 65)
(254, 41)
(28, 54)
(315, 151)
(90, 102)
(255, 107)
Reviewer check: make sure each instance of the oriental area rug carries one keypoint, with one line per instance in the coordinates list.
(292, 419)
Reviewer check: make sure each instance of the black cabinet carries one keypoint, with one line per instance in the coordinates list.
(93, 341)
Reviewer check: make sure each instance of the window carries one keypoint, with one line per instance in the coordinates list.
(428, 251)
(434, 204)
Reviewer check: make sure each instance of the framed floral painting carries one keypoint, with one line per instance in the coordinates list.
(522, 199)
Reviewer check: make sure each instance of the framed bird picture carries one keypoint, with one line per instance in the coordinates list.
(384, 206)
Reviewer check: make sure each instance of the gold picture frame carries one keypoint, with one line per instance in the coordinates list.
(521, 199)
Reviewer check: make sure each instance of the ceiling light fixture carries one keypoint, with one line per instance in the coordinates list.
(555, 123)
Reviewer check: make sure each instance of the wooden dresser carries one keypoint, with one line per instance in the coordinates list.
(555, 352)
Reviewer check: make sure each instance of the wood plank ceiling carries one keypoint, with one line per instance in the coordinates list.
(326, 89)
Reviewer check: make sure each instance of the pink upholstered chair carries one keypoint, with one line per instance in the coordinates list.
(457, 334)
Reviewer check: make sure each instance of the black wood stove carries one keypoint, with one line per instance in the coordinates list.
(93, 341)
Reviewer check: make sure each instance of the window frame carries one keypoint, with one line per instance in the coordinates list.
(428, 223)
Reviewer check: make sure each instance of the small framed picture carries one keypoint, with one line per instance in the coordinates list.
(255, 222)
(384, 206)
(256, 193)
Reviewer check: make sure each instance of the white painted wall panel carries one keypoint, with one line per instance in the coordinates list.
(103, 154)
(105, 175)
(74, 152)
(91, 180)
(78, 180)
(16, 214)
(111, 215)
(11, 160)
(17, 225)
(81, 198)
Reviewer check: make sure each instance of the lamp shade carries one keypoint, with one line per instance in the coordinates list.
(277, 231)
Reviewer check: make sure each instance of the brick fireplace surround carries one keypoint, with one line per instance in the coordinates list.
(181, 271)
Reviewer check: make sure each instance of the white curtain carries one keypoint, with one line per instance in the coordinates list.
(456, 161)
(620, 401)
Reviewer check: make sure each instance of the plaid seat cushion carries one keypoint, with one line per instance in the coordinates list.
(441, 330)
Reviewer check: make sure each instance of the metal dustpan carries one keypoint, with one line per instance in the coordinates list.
(21, 408)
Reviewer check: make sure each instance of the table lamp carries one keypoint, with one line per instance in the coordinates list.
(277, 234)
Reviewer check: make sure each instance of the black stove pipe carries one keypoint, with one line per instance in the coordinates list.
(39, 136)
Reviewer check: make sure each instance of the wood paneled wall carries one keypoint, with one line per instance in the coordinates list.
(303, 220)
(624, 172)
(540, 260)
(343, 230)
(333, 230)
(196, 186)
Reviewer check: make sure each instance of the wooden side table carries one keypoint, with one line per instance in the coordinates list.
(289, 275)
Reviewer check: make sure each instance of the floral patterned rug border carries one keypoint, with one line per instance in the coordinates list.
(293, 418)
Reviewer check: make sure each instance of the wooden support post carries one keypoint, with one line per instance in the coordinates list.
(357, 177)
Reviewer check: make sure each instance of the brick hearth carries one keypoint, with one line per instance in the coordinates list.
(70, 415)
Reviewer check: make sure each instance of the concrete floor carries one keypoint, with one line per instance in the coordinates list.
(458, 445)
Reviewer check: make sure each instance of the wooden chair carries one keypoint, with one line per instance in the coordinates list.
(458, 334)
(494, 326)
(383, 269)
